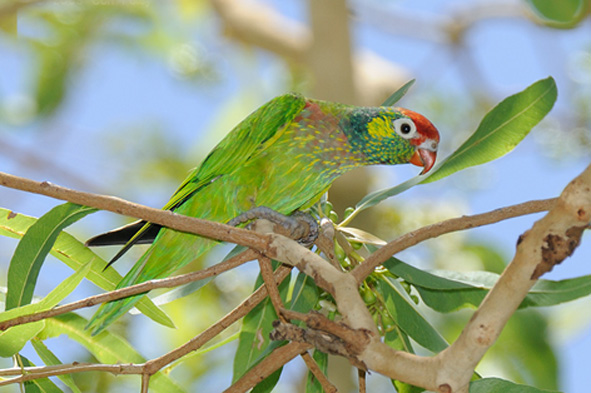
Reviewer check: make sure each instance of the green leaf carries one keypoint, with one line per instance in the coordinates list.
(447, 291)
(404, 312)
(563, 14)
(501, 129)
(50, 359)
(106, 347)
(305, 294)
(74, 254)
(42, 385)
(33, 248)
(498, 133)
(492, 385)
(254, 342)
(13, 339)
(398, 94)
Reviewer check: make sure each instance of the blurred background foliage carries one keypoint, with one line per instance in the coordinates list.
(123, 97)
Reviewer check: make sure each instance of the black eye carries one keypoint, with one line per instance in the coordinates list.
(405, 129)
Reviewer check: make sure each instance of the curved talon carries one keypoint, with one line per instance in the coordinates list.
(305, 234)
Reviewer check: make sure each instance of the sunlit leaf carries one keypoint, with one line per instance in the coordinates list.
(34, 247)
(501, 130)
(13, 339)
(74, 254)
(50, 359)
(42, 385)
(106, 347)
(398, 94)
(498, 133)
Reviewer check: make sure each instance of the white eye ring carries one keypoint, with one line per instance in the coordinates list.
(405, 127)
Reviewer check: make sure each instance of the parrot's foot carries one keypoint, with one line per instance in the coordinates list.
(299, 226)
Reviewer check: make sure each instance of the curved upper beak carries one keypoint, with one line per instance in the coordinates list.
(425, 157)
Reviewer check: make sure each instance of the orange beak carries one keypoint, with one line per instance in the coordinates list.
(424, 158)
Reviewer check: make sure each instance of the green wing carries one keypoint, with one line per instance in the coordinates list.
(246, 140)
(250, 137)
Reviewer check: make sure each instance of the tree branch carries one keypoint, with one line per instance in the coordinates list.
(361, 272)
(439, 373)
(146, 286)
(166, 218)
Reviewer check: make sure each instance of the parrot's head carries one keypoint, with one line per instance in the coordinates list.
(390, 135)
(425, 138)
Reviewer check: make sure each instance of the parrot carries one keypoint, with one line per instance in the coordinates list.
(283, 156)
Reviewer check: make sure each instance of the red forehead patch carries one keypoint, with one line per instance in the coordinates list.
(424, 126)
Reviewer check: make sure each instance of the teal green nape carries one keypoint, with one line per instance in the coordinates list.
(284, 155)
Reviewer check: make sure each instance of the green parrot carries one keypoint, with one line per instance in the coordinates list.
(283, 156)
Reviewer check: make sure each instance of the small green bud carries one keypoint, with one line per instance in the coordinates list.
(388, 322)
(327, 207)
(369, 297)
(333, 216)
(348, 212)
(406, 286)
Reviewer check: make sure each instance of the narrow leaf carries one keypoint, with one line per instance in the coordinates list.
(50, 359)
(398, 94)
(487, 385)
(447, 291)
(305, 294)
(254, 342)
(42, 385)
(407, 317)
(501, 129)
(74, 254)
(14, 339)
(33, 248)
(498, 133)
(106, 347)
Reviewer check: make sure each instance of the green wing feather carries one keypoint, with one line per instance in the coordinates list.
(248, 139)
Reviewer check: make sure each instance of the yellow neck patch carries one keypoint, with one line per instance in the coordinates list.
(379, 128)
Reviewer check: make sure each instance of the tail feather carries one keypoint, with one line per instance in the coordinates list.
(109, 312)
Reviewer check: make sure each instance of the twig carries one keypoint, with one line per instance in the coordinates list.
(362, 381)
(146, 286)
(154, 365)
(361, 272)
(267, 366)
(271, 284)
(327, 386)
(51, 371)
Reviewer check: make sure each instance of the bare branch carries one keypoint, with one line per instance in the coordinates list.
(197, 342)
(417, 236)
(327, 386)
(32, 373)
(267, 366)
(166, 218)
